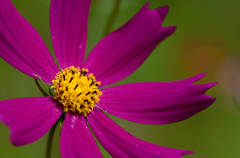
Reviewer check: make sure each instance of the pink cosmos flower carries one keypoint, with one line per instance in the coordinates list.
(76, 90)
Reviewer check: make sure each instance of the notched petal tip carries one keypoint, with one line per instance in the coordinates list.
(120, 143)
(169, 30)
(186, 152)
(157, 102)
(121, 52)
(146, 6)
(211, 100)
(202, 87)
(207, 86)
(162, 11)
(196, 77)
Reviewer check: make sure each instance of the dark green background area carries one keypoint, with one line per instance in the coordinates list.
(206, 40)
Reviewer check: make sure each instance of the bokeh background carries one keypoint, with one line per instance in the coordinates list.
(207, 39)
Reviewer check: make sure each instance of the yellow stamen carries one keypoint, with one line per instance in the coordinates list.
(76, 90)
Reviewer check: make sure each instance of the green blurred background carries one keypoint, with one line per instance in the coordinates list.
(206, 40)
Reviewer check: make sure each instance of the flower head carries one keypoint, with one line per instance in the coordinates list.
(76, 87)
(76, 91)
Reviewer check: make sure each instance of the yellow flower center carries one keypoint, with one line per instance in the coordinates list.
(76, 90)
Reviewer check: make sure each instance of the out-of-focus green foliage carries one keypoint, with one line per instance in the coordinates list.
(206, 40)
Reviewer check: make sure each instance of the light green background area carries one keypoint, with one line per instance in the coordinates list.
(206, 40)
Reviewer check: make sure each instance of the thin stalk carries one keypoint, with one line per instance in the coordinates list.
(40, 88)
(112, 17)
(50, 139)
(49, 91)
(236, 103)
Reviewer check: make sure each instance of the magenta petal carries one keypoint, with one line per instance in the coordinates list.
(21, 45)
(156, 102)
(120, 143)
(68, 21)
(120, 53)
(76, 139)
(29, 118)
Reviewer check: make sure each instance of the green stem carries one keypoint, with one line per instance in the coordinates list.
(40, 88)
(50, 139)
(49, 91)
(236, 103)
(112, 17)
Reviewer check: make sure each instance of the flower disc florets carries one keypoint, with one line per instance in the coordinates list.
(75, 90)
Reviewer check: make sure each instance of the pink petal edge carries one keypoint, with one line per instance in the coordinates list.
(68, 24)
(76, 138)
(120, 143)
(29, 118)
(22, 47)
(121, 52)
(156, 102)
